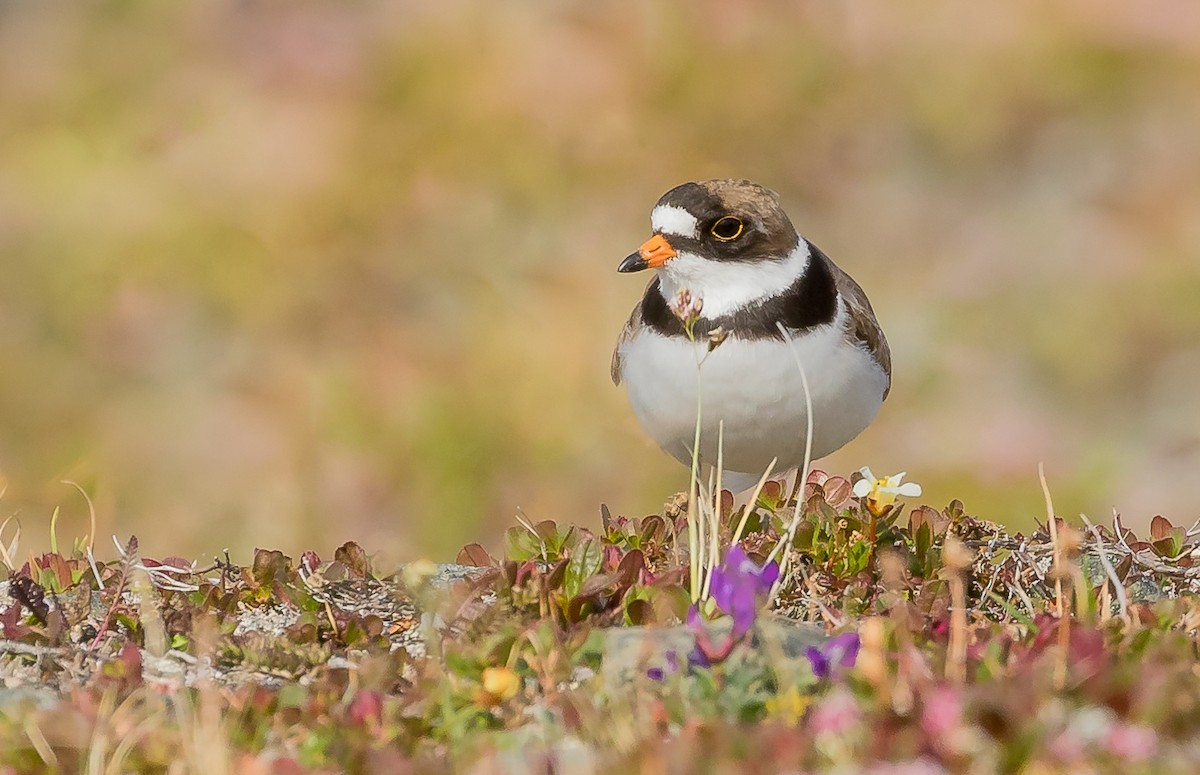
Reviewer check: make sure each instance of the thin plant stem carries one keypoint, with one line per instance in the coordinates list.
(694, 545)
(737, 534)
(1058, 593)
(714, 528)
(1064, 628)
(786, 539)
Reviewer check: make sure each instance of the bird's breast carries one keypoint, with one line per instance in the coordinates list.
(755, 387)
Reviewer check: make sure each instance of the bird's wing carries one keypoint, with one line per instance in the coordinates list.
(632, 326)
(862, 321)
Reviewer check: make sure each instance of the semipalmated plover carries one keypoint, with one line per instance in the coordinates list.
(738, 291)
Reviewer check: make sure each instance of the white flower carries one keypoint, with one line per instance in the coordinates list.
(882, 493)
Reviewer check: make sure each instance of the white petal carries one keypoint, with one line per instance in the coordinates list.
(862, 488)
(911, 489)
(866, 471)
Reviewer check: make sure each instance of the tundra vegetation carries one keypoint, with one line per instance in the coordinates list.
(895, 638)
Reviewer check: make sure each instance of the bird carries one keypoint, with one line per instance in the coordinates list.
(745, 311)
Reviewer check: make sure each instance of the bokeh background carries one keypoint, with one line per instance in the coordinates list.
(287, 274)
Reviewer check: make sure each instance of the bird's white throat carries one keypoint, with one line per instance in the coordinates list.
(727, 286)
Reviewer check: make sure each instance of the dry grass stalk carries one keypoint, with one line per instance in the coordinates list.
(958, 559)
(1117, 587)
(1063, 611)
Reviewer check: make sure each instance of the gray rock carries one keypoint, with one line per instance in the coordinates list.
(630, 651)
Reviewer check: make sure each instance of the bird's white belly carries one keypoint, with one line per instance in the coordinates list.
(755, 387)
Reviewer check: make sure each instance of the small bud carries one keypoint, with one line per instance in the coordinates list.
(716, 337)
(686, 307)
(501, 682)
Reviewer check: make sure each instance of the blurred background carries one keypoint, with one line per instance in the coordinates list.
(288, 274)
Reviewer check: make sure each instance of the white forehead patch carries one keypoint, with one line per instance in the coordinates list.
(669, 219)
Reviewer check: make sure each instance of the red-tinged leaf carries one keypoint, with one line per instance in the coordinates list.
(606, 518)
(286, 765)
(270, 566)
(310, 561)
(1140, 546)
(547, 529)
(726, 502)
(131, 658)
(124, 672)
(558, 573)
(639, 611)
(475, 556)
(918, 517)
(1160, 528)
(839, 493)
(1164, 547)
(524, 571)
(366, 709)
(59, 569)
(816, 476)
(612, 558)
(598, 593)
(653, 528)
(354, 558)
(11, 627)
(939, 522)
(631, 567)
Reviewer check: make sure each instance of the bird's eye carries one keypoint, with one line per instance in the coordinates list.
(728, 228)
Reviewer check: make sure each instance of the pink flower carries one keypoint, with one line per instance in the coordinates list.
(836, 715)
(922, 766)
(1131, 742)
(943, 712)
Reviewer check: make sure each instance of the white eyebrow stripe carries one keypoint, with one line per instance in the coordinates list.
(669, 219)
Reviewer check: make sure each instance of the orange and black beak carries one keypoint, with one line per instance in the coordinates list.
(653, 253)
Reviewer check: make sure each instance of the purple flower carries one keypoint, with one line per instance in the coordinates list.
(737, 586)
(836, 653)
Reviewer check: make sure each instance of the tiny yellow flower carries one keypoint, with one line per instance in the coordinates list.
(501, 682)
(881, 494)
(788, 707)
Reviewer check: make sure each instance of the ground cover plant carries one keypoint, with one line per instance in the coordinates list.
(929, 641)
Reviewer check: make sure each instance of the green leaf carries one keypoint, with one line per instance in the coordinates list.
(585, 562)
(521, 545)
(922, 542)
